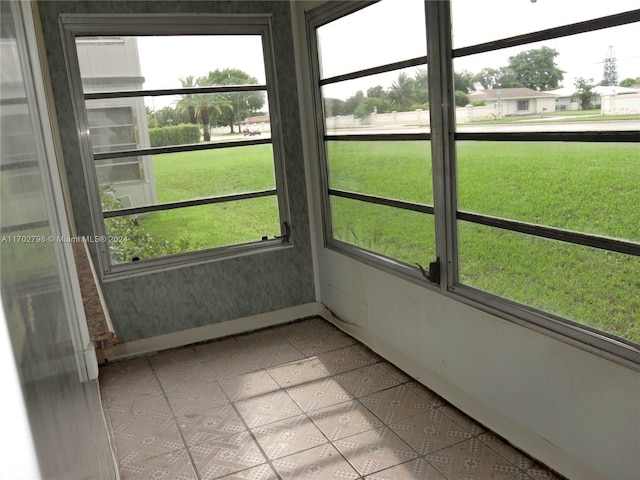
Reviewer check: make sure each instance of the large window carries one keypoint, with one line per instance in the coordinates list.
(374, 102)
(182, 162)
(532, 133)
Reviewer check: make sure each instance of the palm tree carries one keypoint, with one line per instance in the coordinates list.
(198, 105)
(186, 102)
(236, 105)
(401, 92)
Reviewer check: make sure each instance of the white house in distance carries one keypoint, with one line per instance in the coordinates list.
(623, 96)
(112, 64)
(516, 101)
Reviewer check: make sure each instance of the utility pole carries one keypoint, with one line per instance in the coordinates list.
(610, 73)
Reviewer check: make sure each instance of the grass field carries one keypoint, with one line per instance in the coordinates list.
(186, 176)
(591, 188)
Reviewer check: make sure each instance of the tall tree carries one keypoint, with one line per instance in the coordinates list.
(334, 107)
(401, 92)
(352, 102)
(537, 69)
(492, 78)
(584, 93)
(238, 105)
(168, 116)
(185, 105)
(378, 92)
(464, 81)
(610, 71)
(200, 106)
(421, 87)
(488, 78)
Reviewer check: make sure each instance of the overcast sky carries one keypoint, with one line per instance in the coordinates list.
(394, 30)
(164, 60)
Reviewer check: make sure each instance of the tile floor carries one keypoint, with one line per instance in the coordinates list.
(298, 401)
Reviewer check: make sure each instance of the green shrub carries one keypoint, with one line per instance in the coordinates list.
(478, 103)
(133, 241)
(179, 135)
(461, 98)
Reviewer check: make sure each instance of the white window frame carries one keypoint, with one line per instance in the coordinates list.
(443, 138)
(181, 24)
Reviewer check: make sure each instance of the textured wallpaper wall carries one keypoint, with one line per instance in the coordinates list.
(217, 291)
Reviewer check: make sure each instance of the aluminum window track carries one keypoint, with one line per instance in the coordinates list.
(367, 72)
(175, 91)
(180, 148)
(623, 136)
(187, 203)
(389, 202)
(553, 233)
(550, 33)
(379, 137)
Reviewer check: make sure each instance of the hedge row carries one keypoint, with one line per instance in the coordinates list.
(178, 135)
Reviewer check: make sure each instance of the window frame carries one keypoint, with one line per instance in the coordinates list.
(610, 346)
(109, 26)
(316, 18)
(443, 136)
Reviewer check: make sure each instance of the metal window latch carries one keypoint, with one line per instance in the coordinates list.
(433, 275)
(287, 233)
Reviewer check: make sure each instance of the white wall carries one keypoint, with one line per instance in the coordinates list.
(574, 411)
(626, 104)
(536, 105)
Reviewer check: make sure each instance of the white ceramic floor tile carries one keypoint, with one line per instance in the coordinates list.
(294, 386)
(319, 463)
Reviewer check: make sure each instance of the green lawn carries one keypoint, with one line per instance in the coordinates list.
(206, 173)
(587, 187)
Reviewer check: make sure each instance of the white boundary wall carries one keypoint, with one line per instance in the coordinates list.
(624, 104)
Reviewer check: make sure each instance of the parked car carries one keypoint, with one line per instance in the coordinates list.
(247, 132)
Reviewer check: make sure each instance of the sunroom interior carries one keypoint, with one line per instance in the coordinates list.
(381, 220)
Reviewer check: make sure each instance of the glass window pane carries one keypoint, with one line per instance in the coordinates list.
(215, 117)
(553, 85)
(400, 234)
(135, 123)
(585, 187)
(396, 170)
(391, 102)
(117, 125)
(478, 22)
(377, 35)
(120, 170)
(136, 63)
(174, 177)
(193, 228)
(587, 285)
(113, 129)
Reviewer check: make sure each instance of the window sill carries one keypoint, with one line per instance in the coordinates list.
(389, 265)
(190, 259)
